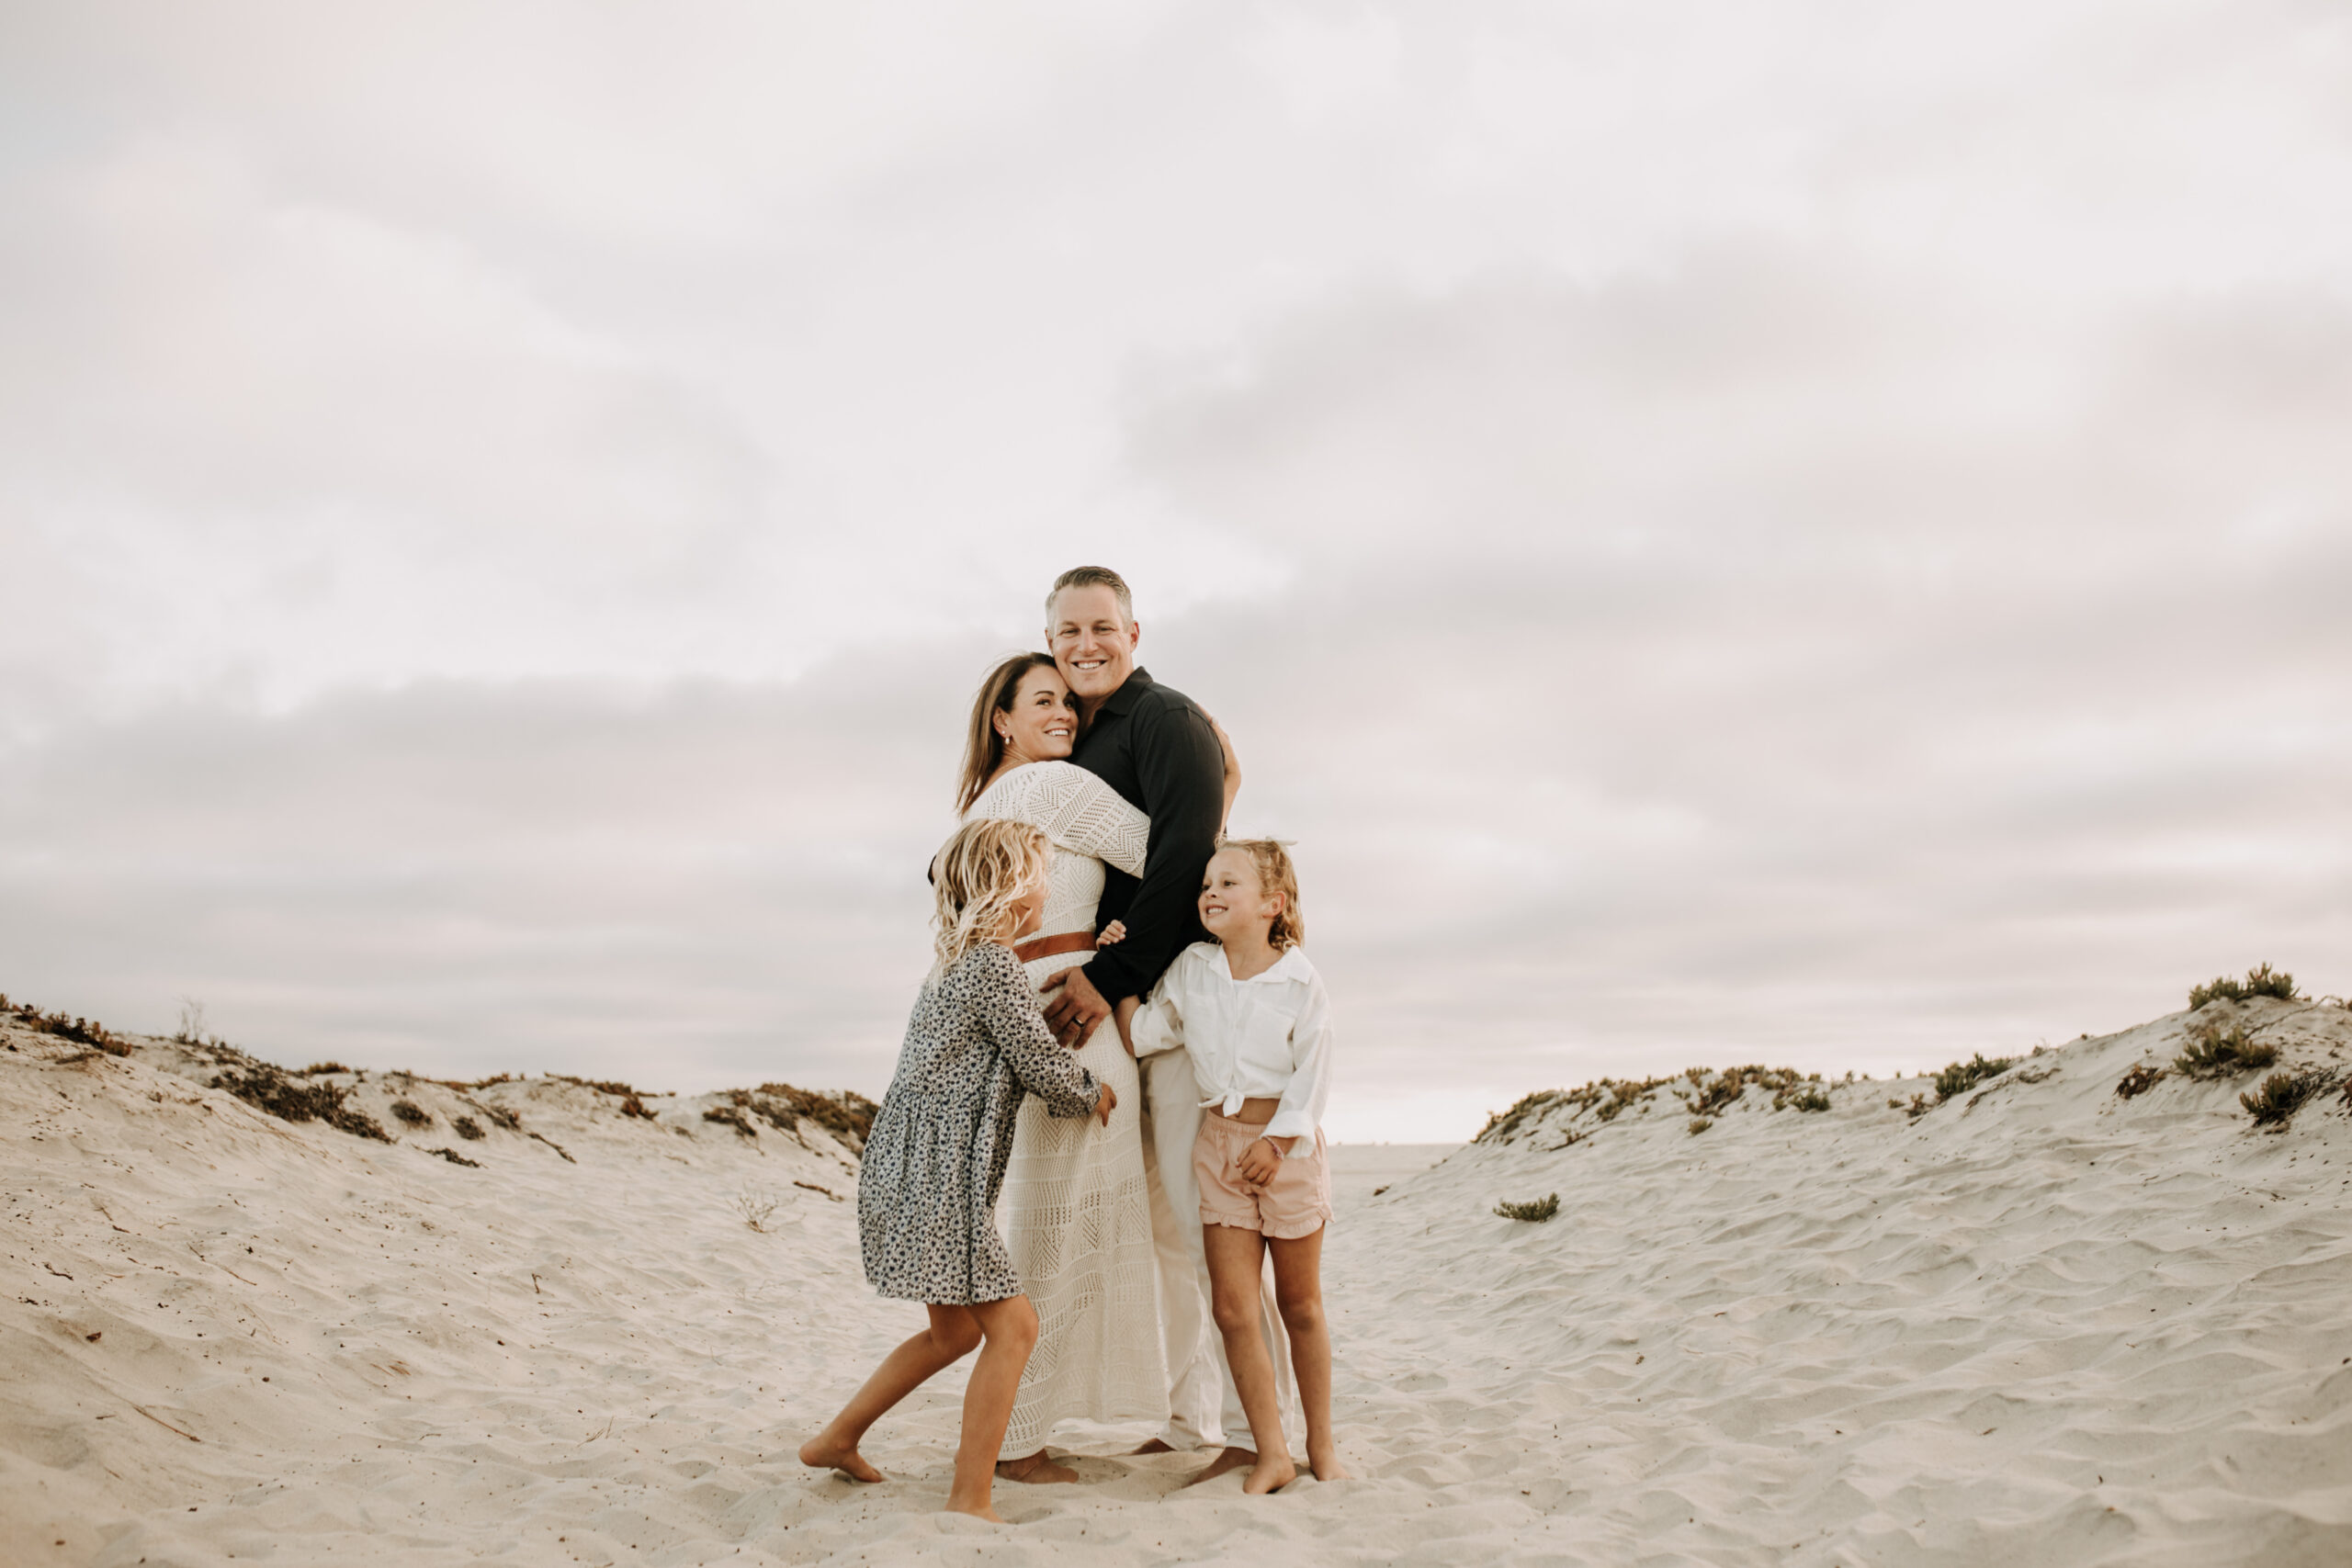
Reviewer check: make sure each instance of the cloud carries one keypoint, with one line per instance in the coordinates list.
(1722, 662)
(1725, 532)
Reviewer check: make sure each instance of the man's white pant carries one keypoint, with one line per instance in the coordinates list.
(1204, 1411)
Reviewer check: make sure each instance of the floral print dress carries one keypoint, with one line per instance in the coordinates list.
(928, 1182)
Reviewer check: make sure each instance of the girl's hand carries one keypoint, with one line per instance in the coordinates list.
(1112, 934)
(1103, 1104)
(1258, 1162)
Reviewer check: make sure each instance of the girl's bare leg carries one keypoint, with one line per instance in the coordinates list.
(1236, 1258)
(952, 1333)
(1009, 1328)
(1298, 1290)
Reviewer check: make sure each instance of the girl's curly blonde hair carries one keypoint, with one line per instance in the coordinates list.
(987, 866)
(1275, 873)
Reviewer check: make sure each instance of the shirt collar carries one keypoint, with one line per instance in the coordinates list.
(1131, 688)
(1291, 966)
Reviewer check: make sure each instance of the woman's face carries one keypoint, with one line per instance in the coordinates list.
(1042, 725)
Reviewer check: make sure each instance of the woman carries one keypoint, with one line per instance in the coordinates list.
(1076, 1211)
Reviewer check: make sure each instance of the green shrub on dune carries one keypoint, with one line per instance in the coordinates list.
(1962, 1077)
(2213, 1054)
(2260, 981)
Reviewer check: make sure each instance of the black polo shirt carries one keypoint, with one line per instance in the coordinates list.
(1155, 746)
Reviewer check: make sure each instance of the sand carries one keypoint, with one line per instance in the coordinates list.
(2037, 1324)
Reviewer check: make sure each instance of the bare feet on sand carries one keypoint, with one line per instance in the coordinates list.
(1036, 1470)
(985, 1511)
(824, 1452)
(1227, 1460)
(1324, 1460)
(1270, 1474)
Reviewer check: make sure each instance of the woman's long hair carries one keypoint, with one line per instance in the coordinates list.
(985, 865)
(983, 746)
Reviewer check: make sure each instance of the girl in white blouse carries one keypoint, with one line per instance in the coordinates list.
(1252, 1014)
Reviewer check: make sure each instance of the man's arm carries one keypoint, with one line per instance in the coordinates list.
(1180, 768)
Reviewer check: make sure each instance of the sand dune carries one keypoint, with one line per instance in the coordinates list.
(2040, 1324)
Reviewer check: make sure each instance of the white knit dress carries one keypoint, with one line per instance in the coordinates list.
(1076, 1212)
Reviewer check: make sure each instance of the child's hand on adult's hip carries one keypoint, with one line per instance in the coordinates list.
(1258, 1162)
(1104, 1102)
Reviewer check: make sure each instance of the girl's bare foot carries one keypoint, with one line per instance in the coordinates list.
(1036, 1470)
(825, 1452)
(1324, 1460)
(1270, 1474)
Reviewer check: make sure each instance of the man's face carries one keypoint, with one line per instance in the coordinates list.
(1095, 650)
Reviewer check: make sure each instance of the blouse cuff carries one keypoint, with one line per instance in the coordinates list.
(1295, 1124)
(1151, 1031)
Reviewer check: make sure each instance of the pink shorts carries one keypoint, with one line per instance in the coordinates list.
(1297, 1202)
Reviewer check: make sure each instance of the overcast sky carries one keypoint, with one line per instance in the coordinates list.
(1797, 532)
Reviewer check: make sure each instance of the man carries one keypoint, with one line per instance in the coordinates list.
(1160, 752)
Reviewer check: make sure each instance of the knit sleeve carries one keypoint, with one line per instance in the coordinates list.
(1079, 812)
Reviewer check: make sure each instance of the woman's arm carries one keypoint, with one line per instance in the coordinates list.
(1232, 774)
(1082, 814)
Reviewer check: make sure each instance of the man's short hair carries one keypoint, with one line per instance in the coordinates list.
(1092, 577)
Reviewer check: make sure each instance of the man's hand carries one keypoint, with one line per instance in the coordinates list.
(1075, 1007)
(1104, 1102)
(1258, 1162)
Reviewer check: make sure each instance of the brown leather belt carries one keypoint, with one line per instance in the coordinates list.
(1047, 946)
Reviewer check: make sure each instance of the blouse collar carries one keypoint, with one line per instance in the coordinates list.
(1291, 966)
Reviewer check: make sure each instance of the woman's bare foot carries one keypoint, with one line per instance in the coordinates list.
(825, 1452)
(985, 1511)
(1036, 1470)
(1270, 1474)
(1323, 1459)
(1227, 1460)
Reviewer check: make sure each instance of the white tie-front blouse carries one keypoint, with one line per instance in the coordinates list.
(1266, 1037)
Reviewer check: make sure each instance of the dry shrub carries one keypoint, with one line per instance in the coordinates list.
(847, 1116)
(81, 1031)
(728, 1116)
(2274, 1104)
(1962, 1077)
(1535, 1210)
(2260, 981)
(754, 1208)
(2139, 1081)
(454, 1157)
(468, 1128)
(270, 1088)
(2214, 1054)
(412, 1113)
